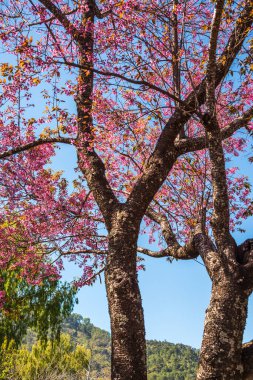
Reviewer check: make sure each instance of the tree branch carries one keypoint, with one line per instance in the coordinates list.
(199, 244)
(206, 249)
(176, 61)
(211, 63)
(89, 161)
(221, 215)
(198, 143)
(83, 251)
(174, 249)
(165, 154)
(242, 27)
(94, 276)
(186, 252)
(155, 254)
(61, 17)
(123, 77)
(50, 18)
(98, 13)
(34, 144)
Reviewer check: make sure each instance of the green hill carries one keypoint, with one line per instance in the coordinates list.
(97, 340)
(166, 361)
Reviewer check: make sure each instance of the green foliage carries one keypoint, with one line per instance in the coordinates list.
(7, 359)
(42, 307)
(167, 361)
(97, 340)
(51, 361)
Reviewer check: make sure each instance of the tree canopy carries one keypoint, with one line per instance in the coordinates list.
(42, 307)
(161, 102)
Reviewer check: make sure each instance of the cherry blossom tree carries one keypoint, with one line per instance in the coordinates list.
(161, 102)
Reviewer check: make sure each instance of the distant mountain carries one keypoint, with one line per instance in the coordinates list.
(166, 361)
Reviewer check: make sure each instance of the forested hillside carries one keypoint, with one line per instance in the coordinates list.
(166, 361)
(84, 350)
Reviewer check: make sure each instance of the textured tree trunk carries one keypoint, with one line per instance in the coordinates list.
(125, 307)
(221, 351)
(247, 359)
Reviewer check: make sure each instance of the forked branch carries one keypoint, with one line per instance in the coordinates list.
(165, 153)
(173, 249)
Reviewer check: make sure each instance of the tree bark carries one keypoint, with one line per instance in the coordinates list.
(125, 305)
(247, 360)
(221, 351)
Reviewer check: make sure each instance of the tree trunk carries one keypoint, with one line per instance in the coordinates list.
(125, 307)
(221, 351)
(247, 360)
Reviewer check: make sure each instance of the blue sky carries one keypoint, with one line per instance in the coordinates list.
(175, 296)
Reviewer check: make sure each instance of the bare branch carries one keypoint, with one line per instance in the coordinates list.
(83, 251)
(123, 77)
(51, 18)
(167, 231)
(174, 249)
(198, 143)
(94, 276)
(156, 254)
(34, 144)
(186, 252)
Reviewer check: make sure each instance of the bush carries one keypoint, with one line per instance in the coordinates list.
(52, 361)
